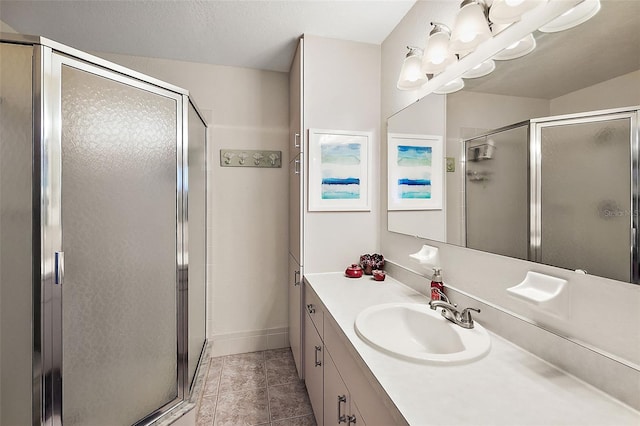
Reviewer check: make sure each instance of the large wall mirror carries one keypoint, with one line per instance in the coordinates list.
(522, 179)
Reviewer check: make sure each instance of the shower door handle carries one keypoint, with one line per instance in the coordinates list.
(59, 267)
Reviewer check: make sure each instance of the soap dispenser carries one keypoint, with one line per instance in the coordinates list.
(436, 283)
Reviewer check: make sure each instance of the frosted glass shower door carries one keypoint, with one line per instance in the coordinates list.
(120, 148)
(585, 189)
(496, 192)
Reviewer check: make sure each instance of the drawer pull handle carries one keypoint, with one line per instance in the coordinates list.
(341, 417)
(318, 349)
(296, 278)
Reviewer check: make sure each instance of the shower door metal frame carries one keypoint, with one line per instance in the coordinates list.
(535, 168)
(48, 62)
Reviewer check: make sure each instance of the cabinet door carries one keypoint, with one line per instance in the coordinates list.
(295, 208)
(355, 418)
(313, 365)
(295, 102)
(336, 395)
(295, 312)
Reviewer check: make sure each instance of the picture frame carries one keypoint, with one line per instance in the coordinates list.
(339, 170)
(415, 172)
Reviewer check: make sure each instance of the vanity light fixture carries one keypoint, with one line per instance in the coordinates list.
(480, 70)
(498, 28)
(517, 49)
(509, 11)
(411, 75)
(436, 55)
(471, 27)
(573, 17)
(450, 87)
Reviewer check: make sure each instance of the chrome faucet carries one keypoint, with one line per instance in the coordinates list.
(442, 295)
(450, 312)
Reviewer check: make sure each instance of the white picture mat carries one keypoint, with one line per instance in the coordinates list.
(395, 172)
(318, 137)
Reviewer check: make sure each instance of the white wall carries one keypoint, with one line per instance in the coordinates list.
(342, 92)
(618, 92)
(248, 213)
(487, 276)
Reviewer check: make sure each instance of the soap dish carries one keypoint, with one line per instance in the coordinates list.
(427, 257)
(543, 291)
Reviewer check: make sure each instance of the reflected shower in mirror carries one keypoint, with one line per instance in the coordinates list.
(592, 67)
(496, 192)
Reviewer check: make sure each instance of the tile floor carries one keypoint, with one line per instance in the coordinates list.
(256, 388)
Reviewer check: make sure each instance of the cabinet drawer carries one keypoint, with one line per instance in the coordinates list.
(314, 309)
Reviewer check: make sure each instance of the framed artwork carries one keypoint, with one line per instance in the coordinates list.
(415, 172)
(339, 170)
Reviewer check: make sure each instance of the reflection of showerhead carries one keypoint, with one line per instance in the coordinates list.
(481, 152)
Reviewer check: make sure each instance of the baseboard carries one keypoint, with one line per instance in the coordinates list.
(249, 341)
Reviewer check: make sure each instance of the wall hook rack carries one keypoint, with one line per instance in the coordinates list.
(241, 158)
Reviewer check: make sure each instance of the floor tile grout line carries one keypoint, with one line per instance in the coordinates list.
(266, 381)
(215, 411)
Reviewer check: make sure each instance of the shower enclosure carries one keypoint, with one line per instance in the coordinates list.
(561, 190)
(103, 249)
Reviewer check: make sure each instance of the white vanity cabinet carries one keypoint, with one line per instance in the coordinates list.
(314, 367)
(339, 406)
(338, 386)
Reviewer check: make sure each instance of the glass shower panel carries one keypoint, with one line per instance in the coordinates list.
(585, 192)
(119, 156)
(197, 199)
(496, 192)
(16, 280)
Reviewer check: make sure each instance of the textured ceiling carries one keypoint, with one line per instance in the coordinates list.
(252, 34)
(262, 34)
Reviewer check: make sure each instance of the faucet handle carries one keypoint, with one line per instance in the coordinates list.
(465, 315)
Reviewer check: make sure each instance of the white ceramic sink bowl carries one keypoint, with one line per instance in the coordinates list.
(413, 331)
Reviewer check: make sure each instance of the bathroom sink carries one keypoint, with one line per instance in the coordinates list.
(415, 332)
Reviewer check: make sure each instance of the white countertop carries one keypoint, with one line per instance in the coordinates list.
(507, 387)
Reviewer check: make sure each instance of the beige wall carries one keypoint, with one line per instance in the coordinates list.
(618, 92)
(486, 276)
(342, 92)
(248, 214)
(5, 28)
